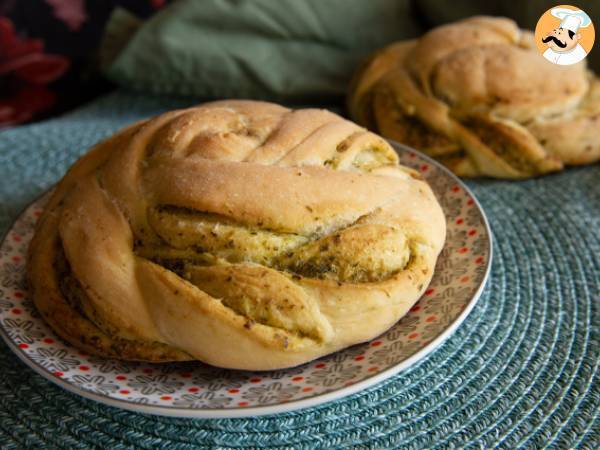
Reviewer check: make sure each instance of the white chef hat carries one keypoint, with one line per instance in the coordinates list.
(571, 19)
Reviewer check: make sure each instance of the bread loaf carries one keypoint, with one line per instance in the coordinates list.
(238, 233)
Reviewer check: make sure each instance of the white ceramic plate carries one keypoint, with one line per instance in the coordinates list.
(197, 390)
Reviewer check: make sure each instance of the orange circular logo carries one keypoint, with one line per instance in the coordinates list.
(564, 35)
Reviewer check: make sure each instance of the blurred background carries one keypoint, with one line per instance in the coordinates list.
(58, 54)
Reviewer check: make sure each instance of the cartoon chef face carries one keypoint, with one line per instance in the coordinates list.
(561, 39)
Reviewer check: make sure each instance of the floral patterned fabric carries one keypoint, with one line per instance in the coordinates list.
(48, 54)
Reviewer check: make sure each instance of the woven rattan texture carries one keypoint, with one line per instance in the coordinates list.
(520, 372)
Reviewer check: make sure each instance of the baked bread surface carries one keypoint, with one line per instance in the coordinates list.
(238, 233)
(478, 96)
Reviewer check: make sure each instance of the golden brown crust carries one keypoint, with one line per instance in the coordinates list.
(55, 291)
(476, 95)
(238, 233)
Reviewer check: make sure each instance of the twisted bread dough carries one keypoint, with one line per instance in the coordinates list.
(238, 233)
(476, 95)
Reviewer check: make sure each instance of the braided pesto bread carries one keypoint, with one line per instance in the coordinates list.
(239, 233)
(477, 96)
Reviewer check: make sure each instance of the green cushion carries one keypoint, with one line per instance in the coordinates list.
(284, 49)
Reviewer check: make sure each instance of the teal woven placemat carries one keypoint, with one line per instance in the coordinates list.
(521, 372)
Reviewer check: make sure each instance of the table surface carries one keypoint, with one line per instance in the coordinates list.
(520, 372)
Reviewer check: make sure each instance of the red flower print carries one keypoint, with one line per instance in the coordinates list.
(24, 71)
(70, 12)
